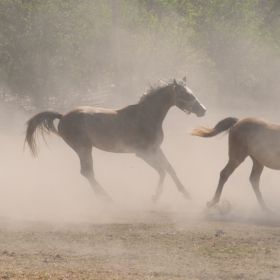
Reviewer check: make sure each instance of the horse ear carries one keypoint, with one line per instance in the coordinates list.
(175, 83)
(185, 80)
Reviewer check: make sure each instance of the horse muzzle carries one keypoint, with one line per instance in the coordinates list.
(199, 110)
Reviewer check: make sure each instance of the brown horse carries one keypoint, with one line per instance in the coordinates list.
(254, 137)
(133, 129)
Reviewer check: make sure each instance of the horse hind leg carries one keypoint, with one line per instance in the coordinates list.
(224, 175)
(255, 182)
(85, 156)
(238, 151)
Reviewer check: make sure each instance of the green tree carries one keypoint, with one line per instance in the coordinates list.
(52, 49)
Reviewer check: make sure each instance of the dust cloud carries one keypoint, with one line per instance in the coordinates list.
(51, 188)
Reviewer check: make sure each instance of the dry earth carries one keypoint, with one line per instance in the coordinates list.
(143, 245)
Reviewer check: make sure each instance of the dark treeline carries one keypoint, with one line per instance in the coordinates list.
(51, 50)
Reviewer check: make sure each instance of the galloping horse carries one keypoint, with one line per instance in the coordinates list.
(133, 129)
(254, 137)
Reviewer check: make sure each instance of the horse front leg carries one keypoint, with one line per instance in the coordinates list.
(150, 158)
(161, 158)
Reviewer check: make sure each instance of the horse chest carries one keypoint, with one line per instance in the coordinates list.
(140, 139)
(151, 137)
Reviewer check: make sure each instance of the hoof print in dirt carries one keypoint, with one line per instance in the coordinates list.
(219, 232)
(223, 208)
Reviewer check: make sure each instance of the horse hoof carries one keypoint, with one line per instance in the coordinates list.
(224, 207)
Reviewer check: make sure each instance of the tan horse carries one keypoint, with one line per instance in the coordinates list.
(133, 129)
(254, 137)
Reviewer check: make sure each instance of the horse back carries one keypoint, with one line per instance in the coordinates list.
(255, 126)
(108, 129)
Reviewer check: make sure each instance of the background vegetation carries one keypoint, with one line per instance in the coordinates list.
(56, 53)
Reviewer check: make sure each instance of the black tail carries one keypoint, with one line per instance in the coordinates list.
(223, 125)
(44, 123)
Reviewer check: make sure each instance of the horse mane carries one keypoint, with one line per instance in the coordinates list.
(157, 86)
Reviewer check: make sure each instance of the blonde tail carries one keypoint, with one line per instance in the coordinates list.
(221, 126)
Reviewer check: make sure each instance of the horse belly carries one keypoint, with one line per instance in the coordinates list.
(112, 145)
(268, 155)
(128, 143)
(271, 161)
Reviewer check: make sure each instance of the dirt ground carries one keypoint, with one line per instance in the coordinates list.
(146, 245)
(52, 226)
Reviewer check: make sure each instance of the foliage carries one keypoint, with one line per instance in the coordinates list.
(54, 48)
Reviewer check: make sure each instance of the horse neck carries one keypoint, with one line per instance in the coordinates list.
(157, 106)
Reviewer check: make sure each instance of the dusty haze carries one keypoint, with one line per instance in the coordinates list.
(52, 189)
(70, 53)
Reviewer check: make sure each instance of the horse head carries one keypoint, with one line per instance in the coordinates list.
(186, 100)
